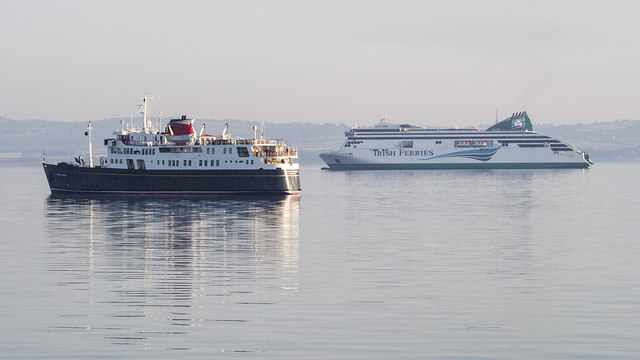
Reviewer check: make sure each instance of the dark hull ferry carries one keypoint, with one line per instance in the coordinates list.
(179, 161)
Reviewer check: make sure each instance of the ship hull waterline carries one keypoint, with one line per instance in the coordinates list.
(456, 166)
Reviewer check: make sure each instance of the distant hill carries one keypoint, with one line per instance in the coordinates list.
(604, 141)
(63, 139)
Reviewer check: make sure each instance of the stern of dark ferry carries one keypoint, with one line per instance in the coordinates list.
(292, 178)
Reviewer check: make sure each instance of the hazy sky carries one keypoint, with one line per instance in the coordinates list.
(441, 63)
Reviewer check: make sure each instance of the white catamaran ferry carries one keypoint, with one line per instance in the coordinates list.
(509, 144)
(179, 161)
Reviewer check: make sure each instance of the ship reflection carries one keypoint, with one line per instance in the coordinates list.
(169, 257)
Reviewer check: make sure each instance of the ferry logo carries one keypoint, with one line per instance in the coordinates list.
(517, 123)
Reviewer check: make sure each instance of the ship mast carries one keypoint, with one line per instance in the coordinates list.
(88, 133)
(143, 111)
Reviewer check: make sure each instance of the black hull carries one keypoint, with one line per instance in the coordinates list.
(65, 178)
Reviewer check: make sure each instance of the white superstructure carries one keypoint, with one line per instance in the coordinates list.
(180, 147)
(511, 143)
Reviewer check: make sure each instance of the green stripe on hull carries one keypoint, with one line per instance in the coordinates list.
(569, 165)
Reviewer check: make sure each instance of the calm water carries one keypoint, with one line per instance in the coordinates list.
(363, 265)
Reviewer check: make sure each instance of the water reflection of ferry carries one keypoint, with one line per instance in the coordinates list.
(178, 247)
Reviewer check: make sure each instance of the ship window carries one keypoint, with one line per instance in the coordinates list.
(251, 162)
(462, 143)
(189, 162)
(230, 150)
(438, 142)
(406, 144)
(213, 151)
(162, 162)
(243, 151)
(205, 163)
(224, 150)
(217, 162)
(199, 162)
(208, 151)
(185, 162)
(482, 143)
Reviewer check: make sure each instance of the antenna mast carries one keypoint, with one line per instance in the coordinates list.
(89, 129)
